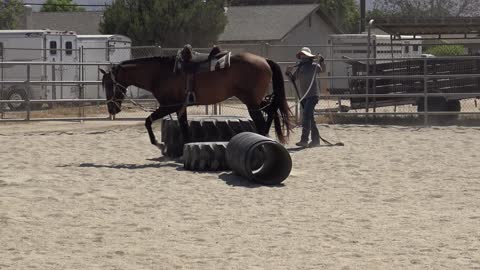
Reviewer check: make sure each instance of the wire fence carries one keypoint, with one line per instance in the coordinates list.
(393, 85)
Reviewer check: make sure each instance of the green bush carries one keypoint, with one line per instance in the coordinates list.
(447, 50)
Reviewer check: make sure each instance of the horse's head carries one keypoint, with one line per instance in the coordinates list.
(114, 91)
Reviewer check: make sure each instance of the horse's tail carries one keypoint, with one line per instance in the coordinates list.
(279, 106)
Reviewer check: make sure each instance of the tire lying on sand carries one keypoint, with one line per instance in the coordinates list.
(201, 129)
(243, 153)
(205, 156)
(211, 156)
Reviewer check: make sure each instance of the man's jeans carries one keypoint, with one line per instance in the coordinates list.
(308, 122)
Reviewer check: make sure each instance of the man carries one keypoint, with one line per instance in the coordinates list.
(306, 74)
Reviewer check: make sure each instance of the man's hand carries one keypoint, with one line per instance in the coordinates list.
(320, 58)
(288, 72)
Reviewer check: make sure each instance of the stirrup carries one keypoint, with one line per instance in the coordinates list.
(191, 98)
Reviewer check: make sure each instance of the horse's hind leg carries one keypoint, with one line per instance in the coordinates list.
(182, 120)
(259, 120)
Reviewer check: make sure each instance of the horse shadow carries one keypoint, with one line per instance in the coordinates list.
(160, 162)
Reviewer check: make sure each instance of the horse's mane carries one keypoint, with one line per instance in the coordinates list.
(145, 60)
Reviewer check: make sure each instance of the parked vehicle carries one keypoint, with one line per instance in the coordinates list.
(54, 46)
(415, 85)
(388, 61)
(100, 49)
(355, 46)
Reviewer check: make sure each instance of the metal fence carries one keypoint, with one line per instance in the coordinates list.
(385, 88)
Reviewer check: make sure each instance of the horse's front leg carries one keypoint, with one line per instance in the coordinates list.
(159, 113)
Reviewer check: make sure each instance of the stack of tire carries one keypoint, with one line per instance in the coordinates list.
(224, 143)
(202, 129)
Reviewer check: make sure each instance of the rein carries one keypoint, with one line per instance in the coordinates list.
(117, 84)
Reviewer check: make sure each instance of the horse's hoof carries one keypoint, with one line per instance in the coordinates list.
(161, 146)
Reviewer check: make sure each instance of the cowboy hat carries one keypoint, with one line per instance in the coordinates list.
(305, 51)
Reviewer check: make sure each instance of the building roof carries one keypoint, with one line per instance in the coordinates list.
(86, 22)
(109, 37)
(428, 26)
(269, 22)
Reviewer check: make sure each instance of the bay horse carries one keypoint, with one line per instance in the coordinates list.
(247, 78)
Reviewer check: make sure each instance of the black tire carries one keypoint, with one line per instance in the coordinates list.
(202, 129)
(258, 158)
(205, 156)
(16, 93)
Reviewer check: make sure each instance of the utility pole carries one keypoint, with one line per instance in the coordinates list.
(362, 15)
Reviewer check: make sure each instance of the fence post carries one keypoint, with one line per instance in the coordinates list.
(81, 88)
(266, 50)
(425, 94)
(54, 86)
(29, 92)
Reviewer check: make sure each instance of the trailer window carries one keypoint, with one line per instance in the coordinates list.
(53, 47)
(415, 48)
(1, 49)
(68, 48)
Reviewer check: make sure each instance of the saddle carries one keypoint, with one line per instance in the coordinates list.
(190, 62)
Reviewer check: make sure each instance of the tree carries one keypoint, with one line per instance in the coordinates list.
(429, 8)
(60, 6)
(169, 23)
(345, 13)
(10, 12)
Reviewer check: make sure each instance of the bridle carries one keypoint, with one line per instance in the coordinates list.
(124, 94)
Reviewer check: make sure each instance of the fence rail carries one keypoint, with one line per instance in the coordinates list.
(361, 96)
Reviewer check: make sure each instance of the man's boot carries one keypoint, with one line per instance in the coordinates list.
(305, 132)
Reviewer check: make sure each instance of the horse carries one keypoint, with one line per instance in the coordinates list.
(248, 79)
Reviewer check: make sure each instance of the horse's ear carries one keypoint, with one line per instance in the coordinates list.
(102, 71)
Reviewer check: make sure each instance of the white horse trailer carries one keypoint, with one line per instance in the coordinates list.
(101, 49)
(37, 46)
(55, 46)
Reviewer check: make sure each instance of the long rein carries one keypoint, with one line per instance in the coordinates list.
(117, 84)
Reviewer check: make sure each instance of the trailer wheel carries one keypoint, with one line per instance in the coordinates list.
(16, 94)
(454, 106)
(440, 104)
(435, 104)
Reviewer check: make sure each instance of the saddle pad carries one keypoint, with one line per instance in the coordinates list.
(220, 63)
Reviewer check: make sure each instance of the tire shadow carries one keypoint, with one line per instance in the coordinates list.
(234, 180)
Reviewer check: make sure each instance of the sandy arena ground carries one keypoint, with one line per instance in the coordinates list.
(96, 195)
